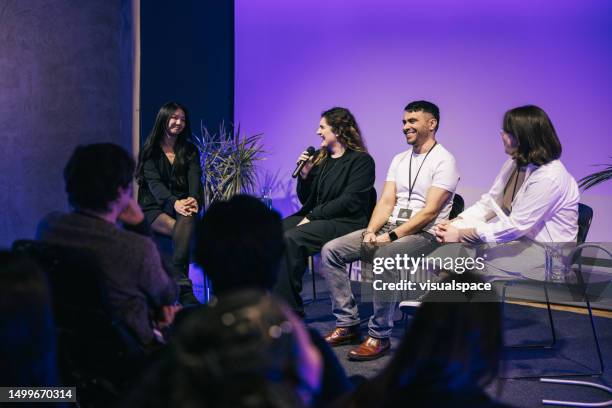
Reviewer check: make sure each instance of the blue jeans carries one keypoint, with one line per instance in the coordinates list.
(336, 254)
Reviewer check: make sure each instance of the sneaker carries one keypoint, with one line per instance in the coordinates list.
(406, 306)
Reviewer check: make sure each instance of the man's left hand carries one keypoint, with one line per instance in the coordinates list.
(383, 238)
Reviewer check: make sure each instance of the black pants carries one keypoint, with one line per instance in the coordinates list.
(301, 242)
(178, 265)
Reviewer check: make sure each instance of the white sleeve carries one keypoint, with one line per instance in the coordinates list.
(392, 173)
(446, 175)
(536, 203)
(481, 211)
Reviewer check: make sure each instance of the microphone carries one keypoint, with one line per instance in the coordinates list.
(301, 163)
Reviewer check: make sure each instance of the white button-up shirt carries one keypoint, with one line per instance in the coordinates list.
(545, 208)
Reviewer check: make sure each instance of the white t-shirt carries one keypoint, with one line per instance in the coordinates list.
(439, 170)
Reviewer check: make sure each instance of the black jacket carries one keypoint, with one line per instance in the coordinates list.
(346, 189)
(159, 189)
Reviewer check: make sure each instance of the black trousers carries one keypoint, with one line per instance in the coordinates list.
(301, 242)
(175, 253)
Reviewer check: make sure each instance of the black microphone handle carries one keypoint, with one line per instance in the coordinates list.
(299, 168)
(301, 163)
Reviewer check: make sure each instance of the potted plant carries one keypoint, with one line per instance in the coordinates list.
(596, 178)
(229, 162)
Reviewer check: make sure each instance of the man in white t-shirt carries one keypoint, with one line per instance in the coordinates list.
(417, 195)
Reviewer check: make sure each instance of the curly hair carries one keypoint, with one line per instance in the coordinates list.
(344, 125)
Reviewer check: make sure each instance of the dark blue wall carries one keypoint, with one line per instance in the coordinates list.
(65, 67)
(187, 55)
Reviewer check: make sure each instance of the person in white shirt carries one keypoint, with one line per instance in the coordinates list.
(533, 200)
(417, 194)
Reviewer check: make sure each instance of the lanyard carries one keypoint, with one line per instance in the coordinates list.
(412, 183)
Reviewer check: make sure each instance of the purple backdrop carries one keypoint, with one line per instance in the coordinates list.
(475, 59)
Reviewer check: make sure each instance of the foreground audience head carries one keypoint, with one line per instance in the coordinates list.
(452, 348)
(245, 350)
(99, 176)
(239, 244)
(529, 136)
(454, 342)
(27, 334)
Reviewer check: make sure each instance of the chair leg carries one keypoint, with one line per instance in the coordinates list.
(312, 272)
(593, 328)
(550, 319)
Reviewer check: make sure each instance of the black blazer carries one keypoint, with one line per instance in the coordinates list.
(159, 189)
(345, 190)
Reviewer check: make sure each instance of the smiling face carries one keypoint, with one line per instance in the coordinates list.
(327, 134)
(176, 123)
(418, 126)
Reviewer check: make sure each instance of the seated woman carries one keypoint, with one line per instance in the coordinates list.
(335, 189)
(447, 358)
(170, 193)
(534, 199)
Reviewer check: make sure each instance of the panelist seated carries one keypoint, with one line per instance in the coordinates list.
(334, 188)
(533, 200)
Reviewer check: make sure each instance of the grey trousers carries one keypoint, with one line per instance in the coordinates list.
(336, 254)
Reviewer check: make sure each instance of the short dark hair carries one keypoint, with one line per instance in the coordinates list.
(239, 244)
(94, 173)
(425, 106)
(535, 134)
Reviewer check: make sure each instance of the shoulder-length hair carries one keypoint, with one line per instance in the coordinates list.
(344, 125)
(534, 133)
(182, 148)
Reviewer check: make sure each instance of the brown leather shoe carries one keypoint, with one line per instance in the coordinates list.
(343, 335)
(371, 349)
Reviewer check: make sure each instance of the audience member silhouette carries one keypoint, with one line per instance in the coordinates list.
(246, 349)
(99, 186)
(449, 354)
(239, 244)
(27, 333)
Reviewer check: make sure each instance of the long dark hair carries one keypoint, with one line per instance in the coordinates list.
(344, 125)
(535, 134)
(182, 148)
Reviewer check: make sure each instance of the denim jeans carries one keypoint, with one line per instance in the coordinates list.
(337, 253)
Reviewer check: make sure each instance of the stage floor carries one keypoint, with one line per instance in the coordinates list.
(575, 349)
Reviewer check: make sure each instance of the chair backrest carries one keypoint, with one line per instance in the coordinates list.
(458, 205)
(585, 216)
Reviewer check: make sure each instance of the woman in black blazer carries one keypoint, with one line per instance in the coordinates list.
(170, 186)
(335, 188)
